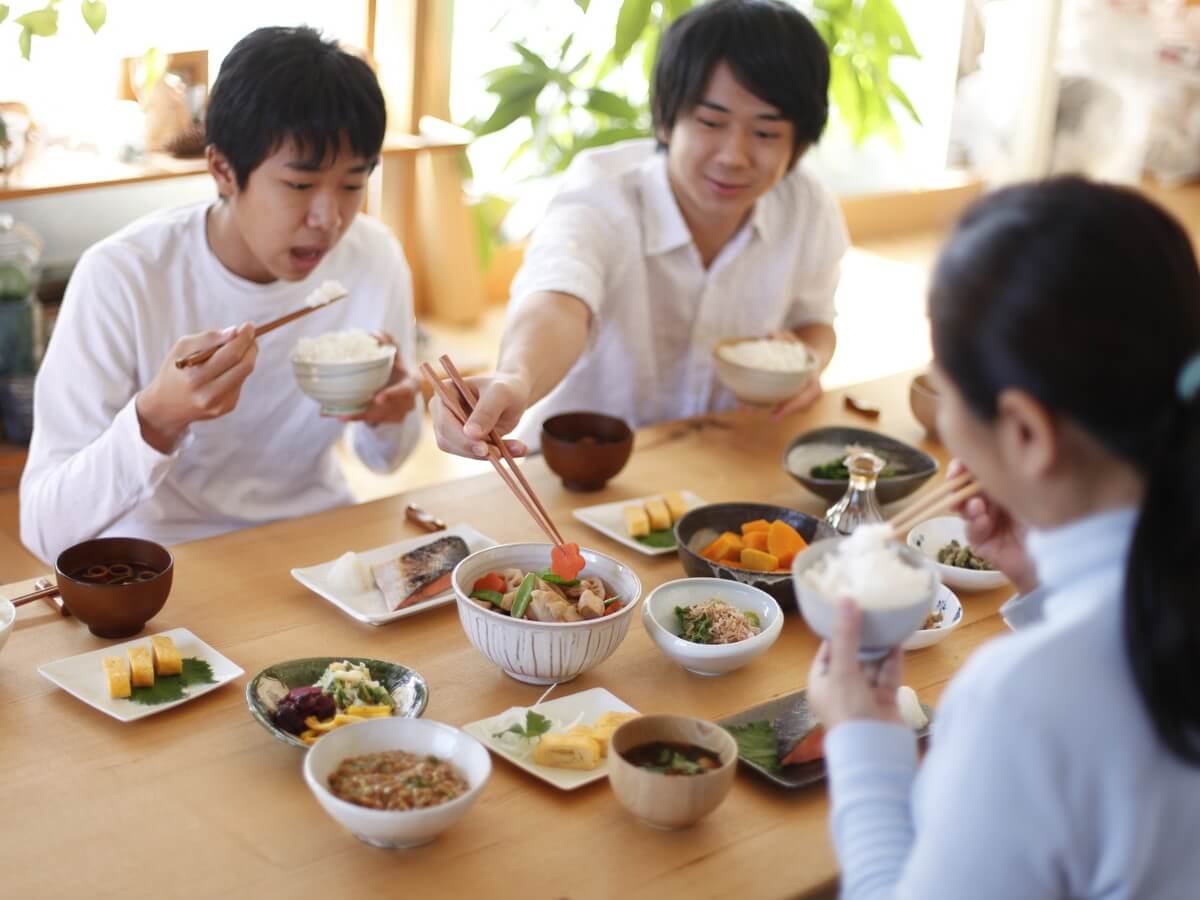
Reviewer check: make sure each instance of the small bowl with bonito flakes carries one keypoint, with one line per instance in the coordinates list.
(300, 700)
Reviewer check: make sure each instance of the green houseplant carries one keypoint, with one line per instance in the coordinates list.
(569, 101)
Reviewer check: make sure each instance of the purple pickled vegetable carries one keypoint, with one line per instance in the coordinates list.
(299, 704)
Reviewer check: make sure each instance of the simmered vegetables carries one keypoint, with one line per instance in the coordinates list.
(761, 546)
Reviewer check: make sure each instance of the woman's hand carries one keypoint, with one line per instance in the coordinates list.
(996, 536)
(842, 689)
(502, 401)
(176, 398)
(396, 399)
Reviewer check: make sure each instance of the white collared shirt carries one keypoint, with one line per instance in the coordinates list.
(614, 237)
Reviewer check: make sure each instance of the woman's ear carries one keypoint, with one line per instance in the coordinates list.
(221, 171)
(1027, 434)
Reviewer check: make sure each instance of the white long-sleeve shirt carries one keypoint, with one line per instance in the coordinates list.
(614, 238)
(90, 473)
(1045, 777)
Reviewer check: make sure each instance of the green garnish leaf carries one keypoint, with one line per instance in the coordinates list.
(752, 618)
(172, 687)
(611, 600)
(757, 743)
(535, 726)
(550, 577)
(493, 597)
(664, 537)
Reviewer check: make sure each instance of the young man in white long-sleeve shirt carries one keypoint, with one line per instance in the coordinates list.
(126, 443)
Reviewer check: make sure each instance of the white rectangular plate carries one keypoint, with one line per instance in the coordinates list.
(588, 706)
(609, 519)
(83, 675)
(369, 607)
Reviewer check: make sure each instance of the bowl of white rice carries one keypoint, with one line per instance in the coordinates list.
(894, 586)
(764, 371)
(342, 370)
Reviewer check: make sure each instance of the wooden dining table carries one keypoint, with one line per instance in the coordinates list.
(201, 800)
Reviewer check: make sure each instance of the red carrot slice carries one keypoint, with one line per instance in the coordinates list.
(566, 561)
(492, 581)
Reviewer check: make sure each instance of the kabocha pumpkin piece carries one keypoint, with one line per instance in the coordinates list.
(759, 561)
(756, 525)
(727, 546)
(755, 540)
(784, 542)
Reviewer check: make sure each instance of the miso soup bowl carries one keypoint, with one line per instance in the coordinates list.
(114, 610)
(543, 652)
(670, 801)
(344, 388)
(882, 628)
(394, 828)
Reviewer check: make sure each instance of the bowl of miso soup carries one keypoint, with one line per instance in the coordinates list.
(671, 771)
(115, 585)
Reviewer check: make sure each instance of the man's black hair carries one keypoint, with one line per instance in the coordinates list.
(772, 49)
(280, 83)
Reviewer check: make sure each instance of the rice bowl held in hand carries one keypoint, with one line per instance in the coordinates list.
(342, 370)
(893, 585)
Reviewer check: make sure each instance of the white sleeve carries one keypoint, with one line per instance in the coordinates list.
(382, 448)
(817, 277)
(985, 822)
(88, 463)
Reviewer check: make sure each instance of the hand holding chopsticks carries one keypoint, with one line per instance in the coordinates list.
(460, 403)
(944, 498)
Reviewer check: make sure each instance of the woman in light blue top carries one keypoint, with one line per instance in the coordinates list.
(1065, 760)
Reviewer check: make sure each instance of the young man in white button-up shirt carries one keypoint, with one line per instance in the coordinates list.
(650, 254)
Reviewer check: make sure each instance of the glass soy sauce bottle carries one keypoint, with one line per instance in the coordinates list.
(859, 504)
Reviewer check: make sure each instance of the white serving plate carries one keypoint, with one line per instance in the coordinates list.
(931, 535)
(369, 607)
(83, 676)
(590, 704)
(609, 520)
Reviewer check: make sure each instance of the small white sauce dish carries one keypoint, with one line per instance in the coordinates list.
(661, 623)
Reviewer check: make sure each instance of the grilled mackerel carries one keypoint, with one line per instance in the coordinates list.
(420, 574)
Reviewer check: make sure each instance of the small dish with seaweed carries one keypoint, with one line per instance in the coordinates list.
(815, 459)
(203, 670)
(383, 683)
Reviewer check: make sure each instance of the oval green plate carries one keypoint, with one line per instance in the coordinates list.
(407, 687)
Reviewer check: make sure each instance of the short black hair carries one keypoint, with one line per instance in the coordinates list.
(279, 83)
(772, 49)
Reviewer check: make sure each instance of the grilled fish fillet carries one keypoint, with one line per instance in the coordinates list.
(412, 576)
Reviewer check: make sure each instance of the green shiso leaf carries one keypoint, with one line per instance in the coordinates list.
(664, 537)
(757, 743)
(172, 687)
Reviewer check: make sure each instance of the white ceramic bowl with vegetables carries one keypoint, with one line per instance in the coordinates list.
(931, 536)
(394, 828)
(946, 606)
(534, 650)
(684, 636)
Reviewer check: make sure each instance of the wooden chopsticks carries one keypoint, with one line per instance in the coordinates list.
(943, 498)
(47, 591)
(460, 407)
(203, 356)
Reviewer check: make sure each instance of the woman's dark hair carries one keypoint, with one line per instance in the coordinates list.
(772, 49)
(280, 83)
(1087, 297)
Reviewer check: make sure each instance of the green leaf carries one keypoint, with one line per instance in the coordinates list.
(95, 13)
(673, 9)
(664, 537)
(610, 104)
(631, 22)
(583, 4)
(757, 743)
(902, 98)
(3, 11)
(883, 19)
(40, 22)
(172, 687)
(535, 726)
(530, 57)
(521, 83)
(505, 113)
(24, 41)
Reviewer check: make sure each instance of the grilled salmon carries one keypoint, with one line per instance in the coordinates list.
(419, 574)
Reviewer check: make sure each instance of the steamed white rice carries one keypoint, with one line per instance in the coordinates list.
(867, 568)
(769, 354)
(350, 575)
(354, 345)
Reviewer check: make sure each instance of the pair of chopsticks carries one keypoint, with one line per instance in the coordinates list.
(202, 356)
(944, 498)
(461, 407)
(44, 590)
